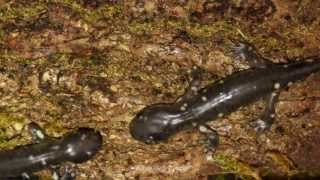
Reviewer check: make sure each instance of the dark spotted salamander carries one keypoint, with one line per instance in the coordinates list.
(158, 122)
(77, 147)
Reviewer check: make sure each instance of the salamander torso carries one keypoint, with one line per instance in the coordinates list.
(159, 121)
(75, 147)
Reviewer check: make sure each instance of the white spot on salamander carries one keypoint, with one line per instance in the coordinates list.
(43, 162)
(203, 129)
(83, 137)
(204, 98)
(309, 60)
(220, 115)
(89, 153)
(274, 94)
(289, 84)
(39, 134)
(184, 107)
(194, 67)
(55, 147)
(70, 150)
(31, 158)
(194, 88)
(276, 85)
(260, 124)
(25, 175)
(272, 115)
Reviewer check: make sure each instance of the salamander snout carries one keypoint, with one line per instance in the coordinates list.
(152, 124)
(82, 144)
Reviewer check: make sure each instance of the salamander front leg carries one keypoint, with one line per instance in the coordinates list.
(212, 137)
(36, 132)
(245, 51)
(194, 85)
(267, 118)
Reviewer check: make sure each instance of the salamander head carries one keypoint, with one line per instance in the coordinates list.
(81, 145)
(152, 124)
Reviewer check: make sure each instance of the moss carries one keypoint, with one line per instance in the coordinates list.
(55, 128)
(12, 57)
(288, 39)
(92, 15)
(115, 70)
(103, 12)
(2, 36)
(208, 30)
(282, 162)
(230, 165)
(141, 28)
(15, 12)
(9, 13)
(9, 127)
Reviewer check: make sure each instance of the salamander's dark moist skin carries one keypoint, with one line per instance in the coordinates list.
(77, 147)
(159, 121)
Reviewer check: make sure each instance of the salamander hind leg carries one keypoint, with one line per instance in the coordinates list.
(211, 135)
(246, 52)
(69, 173)
(266, 119)
(194, 85)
